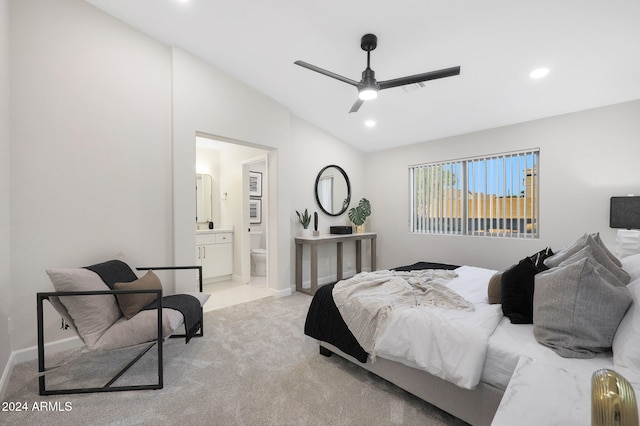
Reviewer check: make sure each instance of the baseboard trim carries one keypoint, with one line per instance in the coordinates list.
(31, 353)
(283, 292)
(5, 375)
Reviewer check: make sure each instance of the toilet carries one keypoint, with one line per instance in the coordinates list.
(258, 254)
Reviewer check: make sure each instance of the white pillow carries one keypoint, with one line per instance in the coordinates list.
(626, 342)
(631, 264)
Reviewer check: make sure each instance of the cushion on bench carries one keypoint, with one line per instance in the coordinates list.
(98, 319)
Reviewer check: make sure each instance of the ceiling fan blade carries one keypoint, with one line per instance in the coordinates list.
(327, 73)
(356, 106)
(431, 75)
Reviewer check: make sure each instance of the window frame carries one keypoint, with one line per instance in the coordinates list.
(459, 211)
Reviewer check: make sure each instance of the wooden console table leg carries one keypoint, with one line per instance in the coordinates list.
(299, 267)
(358, 255)
(314, 268)
(339, 261)
(373, 254)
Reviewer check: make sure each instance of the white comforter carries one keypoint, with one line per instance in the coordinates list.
(450, 344)
(365, 300)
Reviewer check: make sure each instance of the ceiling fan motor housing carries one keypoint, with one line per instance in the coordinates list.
(369, 42)
(369, 78)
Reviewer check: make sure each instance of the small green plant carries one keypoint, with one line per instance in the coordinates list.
(358, 215)
(304, 218)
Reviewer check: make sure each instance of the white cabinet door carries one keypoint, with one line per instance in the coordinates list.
(207, 259)
(222, 255)
(214, 252)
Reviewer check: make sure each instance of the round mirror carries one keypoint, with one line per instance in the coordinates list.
(333, 190)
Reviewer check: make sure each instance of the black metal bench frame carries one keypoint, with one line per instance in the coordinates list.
(40, 297)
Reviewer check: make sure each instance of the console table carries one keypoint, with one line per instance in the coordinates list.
(314, 242)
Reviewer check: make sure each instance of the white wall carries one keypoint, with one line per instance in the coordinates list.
(90, 148)
(313, 150)
(102, 149)
(209, 101)
(585, 158)
(5, 257)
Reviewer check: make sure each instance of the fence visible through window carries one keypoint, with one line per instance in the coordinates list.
(495, 196)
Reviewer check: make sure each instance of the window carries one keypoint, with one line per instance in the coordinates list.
(495, 196)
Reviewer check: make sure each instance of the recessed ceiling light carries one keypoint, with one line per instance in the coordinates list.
(539, 73)
(370, 123)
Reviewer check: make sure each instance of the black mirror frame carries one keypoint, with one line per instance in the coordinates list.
(346, 179)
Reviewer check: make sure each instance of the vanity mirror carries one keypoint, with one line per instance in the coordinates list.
(204, 198)
(333, 190)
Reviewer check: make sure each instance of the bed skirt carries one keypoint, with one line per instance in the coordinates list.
(476, 407)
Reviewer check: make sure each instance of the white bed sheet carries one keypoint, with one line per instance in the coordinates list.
(506, 345)
(509, 342)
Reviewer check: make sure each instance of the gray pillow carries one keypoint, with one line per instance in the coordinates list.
(577, 308)
(599, 250)
(566, 252)
(597, 239)
(91, 315)
(596, 253)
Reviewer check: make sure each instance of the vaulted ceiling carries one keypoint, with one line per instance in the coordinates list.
(590, 48)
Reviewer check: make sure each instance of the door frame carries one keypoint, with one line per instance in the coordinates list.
(245, 255)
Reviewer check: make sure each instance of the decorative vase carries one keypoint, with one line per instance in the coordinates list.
(305, 232)
(613, 401)
(360, 229)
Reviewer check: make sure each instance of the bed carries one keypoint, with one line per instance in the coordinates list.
(516, 327)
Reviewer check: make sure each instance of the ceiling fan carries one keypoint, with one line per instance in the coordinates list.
(368, 87)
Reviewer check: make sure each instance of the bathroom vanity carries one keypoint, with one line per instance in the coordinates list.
(214, 252)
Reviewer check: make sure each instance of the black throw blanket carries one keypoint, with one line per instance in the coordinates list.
(113, 271)
(325, 323)
(117, 271)
(190, 308)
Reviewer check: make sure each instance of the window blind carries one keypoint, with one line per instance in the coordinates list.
(493, 196)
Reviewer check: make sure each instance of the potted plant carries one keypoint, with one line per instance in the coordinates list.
(358, 215)
(305, 219)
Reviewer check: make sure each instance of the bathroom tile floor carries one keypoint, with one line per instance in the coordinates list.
(229, 293)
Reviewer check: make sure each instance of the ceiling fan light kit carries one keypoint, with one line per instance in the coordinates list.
(368, 93)
(368, 86)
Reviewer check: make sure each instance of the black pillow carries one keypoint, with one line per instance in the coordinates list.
(517, 291)
(539, 257)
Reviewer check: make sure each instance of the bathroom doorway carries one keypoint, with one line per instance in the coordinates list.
(240, 202)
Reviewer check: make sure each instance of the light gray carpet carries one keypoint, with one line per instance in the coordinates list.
(254, 366)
